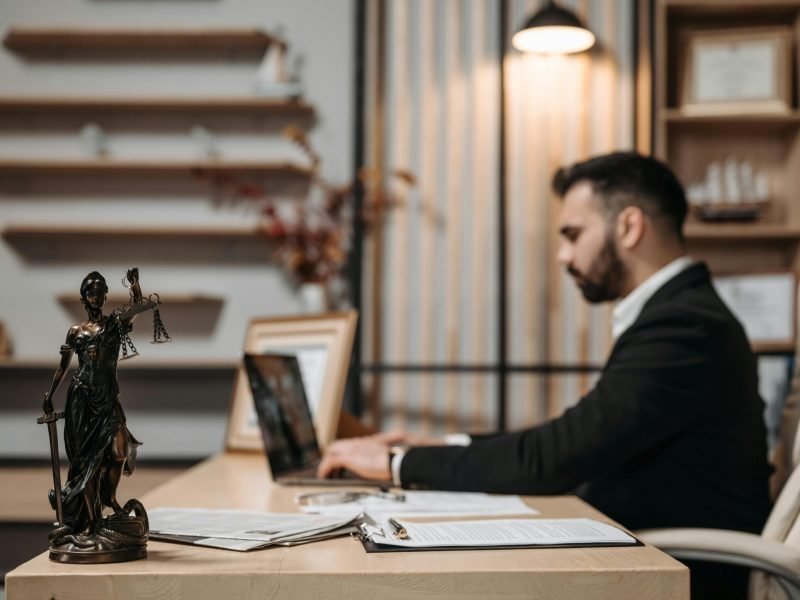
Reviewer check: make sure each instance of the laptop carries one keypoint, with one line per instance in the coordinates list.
(290, 441)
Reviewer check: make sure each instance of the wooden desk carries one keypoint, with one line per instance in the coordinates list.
(339, 568)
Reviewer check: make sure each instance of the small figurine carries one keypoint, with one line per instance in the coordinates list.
(99, 446)
(95, 140)
(273, 78)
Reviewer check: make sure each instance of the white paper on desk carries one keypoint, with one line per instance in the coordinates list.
(432, 504)
(506, 532)
(244, 525)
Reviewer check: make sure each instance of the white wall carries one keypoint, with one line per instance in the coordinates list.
(186, 416)
(321, 32)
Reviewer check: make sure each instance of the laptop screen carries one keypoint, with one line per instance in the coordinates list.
(283, 414)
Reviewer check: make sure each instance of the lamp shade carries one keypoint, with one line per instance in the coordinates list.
(553, 30)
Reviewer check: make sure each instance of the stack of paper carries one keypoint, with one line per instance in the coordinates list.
(429, 504)
(246, 530)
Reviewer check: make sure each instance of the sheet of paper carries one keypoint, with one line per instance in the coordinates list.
(431, 504)
(505, 532)
(244, 525)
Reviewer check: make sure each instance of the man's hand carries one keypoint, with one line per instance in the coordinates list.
(367, 457)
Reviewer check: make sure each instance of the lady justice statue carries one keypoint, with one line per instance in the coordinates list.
(99, 446)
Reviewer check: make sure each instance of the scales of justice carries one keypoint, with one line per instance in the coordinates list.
(99, 446)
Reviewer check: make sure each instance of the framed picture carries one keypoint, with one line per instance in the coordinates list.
(323, 345)
(732, 71)
(765, 304)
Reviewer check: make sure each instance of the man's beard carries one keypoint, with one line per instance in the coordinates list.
(603, 280)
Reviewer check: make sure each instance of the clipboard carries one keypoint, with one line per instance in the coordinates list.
(371, 547)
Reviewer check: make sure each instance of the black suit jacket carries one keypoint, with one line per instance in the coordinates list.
(671, 435)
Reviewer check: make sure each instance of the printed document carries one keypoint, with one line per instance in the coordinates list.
(430, 504)
(244, 530)
(501, 532)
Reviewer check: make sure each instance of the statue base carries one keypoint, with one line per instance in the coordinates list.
(119, 537)
(97, 557)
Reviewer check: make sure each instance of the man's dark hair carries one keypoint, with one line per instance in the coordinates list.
(625, 179)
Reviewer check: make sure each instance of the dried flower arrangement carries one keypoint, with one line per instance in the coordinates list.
(311, 241)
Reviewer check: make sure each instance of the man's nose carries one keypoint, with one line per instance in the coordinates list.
(564, 254)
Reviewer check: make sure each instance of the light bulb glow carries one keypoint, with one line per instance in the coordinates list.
(553, 40)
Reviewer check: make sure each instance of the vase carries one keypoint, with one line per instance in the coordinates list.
(313, 297)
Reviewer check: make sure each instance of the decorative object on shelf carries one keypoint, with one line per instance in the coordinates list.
(99, 446)
(313, 296)
(95, 141)
(731, 191)
(5, 342)
(207, 143)
(273, 78)
(732, 71)
(311, 240)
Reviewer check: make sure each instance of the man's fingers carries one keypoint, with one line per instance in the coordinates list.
(328, 464)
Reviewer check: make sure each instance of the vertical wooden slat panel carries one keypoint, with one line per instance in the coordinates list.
(427, 152)
(475, 227)
(454, 190)
(396, 349)
(439, 121)
(442, 77)
(372, 303)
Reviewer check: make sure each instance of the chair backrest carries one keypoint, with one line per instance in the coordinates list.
(783, 524)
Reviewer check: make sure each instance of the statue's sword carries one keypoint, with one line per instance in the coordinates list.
(50, 419)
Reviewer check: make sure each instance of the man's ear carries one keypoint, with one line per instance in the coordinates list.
(631, 225)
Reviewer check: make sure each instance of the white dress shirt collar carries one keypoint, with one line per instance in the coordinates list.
(627, 310)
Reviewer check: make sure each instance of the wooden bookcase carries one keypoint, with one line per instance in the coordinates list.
(690, 142)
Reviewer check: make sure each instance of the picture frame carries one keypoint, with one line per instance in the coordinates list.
(323, 345)
(736, 71)
(766, 305)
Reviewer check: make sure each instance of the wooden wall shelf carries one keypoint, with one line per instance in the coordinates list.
(68, 299)
(166, 245)
(140, 364)
(676, 116)
(37, 40)
(192, 314)
(733, 232)
(134, 167)
(249, 105)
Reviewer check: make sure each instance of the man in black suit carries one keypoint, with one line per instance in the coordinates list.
(672, 433)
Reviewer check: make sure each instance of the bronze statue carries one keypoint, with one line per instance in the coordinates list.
(99, 446)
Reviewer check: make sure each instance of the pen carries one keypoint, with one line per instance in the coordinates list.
(398, 530)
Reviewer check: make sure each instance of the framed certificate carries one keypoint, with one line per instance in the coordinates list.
(765, 304)
(732, 71)
(323, 345)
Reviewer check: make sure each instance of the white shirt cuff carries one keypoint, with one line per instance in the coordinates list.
(451, 439)
(457, 439)
(397, 459)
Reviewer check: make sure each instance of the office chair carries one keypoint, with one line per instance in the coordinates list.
(775, 553)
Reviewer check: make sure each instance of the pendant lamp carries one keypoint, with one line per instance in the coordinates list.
(553, 30)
